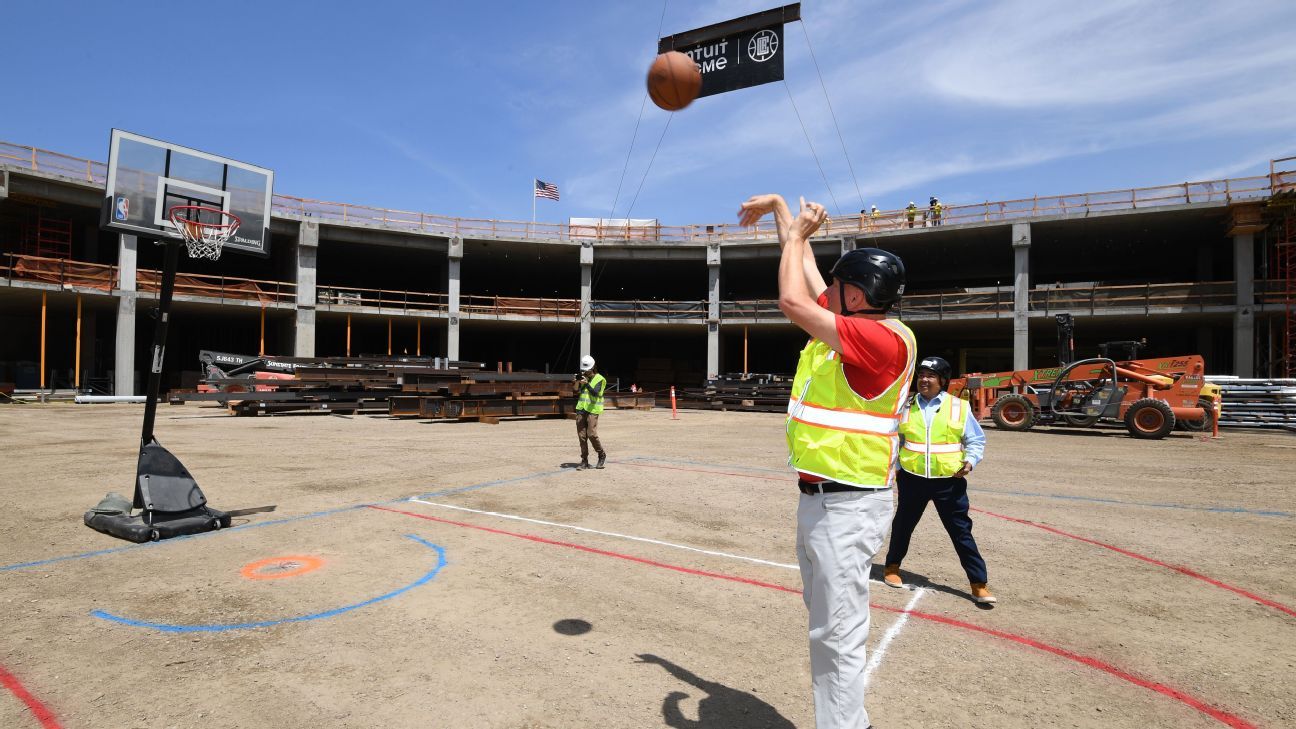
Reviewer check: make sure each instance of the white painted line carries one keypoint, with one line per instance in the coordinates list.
(646, 540)
(611, 534)
(875, 660)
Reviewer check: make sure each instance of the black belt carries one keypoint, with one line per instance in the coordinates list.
(831, 487)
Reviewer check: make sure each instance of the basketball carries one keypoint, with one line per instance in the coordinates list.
(674, 81)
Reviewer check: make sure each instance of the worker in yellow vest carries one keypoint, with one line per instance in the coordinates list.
(850, 389)
(936, 210)
(589, 405)
(941, 442)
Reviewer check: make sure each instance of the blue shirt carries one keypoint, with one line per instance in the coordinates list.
(973, 436)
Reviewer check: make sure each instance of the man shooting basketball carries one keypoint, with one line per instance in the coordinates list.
(842, 431)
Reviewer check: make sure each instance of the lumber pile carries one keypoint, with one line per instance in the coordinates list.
(766, 393)
(423, 387)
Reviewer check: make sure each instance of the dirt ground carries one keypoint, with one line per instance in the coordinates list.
(1141, 584)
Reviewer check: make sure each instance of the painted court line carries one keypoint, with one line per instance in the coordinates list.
(738, 471)
(275, 522)
(1218, 714)
(592, 550)
(33, 704)
(1144, 558)
(217, 628)
(875, 660)
(573, 527)
(1128, 553)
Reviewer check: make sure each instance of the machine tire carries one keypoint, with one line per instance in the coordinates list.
(1206, 423)
(1013, 412)
(1149, 419)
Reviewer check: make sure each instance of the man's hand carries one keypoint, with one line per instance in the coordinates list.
(757, 206)
(805, 224)
(964, 471)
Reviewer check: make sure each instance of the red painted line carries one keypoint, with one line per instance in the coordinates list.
(1144, 558)
(591, 550)
(38, 710)
(1217, 714)
(1177, 568)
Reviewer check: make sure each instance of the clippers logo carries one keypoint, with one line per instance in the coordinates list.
(763, 46)
(121, 211)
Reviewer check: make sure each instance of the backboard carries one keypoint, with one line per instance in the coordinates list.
(147, 177)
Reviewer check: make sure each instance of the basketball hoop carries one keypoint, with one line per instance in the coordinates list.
(204, 229)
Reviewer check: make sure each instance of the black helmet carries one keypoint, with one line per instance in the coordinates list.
(878, 273)
(937, 365)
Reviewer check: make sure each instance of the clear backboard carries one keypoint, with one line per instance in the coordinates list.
(148, 177)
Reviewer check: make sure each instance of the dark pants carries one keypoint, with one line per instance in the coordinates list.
(587, 432)
(950, 497)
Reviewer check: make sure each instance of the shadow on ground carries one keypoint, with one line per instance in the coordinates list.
(721, 708)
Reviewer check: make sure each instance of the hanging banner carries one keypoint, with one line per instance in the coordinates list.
(738, 53)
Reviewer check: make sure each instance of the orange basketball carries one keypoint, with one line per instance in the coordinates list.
(674, 81)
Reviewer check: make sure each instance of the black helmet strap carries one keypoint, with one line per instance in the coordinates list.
(841, 297)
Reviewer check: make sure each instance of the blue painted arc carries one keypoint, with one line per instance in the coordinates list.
(172, 628)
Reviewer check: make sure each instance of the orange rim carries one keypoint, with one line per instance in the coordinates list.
(1013, 413)
(1149, 420)
(274, 568)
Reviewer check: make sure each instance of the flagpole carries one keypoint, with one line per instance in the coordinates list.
(533, 197)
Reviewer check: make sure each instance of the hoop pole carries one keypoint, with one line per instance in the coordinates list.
(44, 308)
(159, 347)
(76, 374)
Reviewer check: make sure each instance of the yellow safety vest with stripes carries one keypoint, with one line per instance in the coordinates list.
(834, 432)
(935, 452)
(591, 395)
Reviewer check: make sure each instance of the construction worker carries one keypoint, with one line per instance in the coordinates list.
(589, 405)
(935, 208)
(940, 443)
(911, 212)
(849, 391)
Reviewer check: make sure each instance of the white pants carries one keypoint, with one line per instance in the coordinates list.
(837, 537)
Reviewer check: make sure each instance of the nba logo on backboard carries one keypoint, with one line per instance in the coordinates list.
(122, 210)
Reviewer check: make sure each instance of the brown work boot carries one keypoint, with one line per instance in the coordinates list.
(981, 594)
(891, 576)
(584, 465)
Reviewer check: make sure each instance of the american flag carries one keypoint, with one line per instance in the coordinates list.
(546, 189)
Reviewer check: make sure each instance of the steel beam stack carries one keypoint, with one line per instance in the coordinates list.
(1257, 403)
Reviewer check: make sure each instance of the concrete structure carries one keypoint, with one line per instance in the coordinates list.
(671, 307)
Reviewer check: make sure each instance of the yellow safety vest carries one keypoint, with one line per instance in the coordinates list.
(592, 405)
(936, 452)
(834, 432)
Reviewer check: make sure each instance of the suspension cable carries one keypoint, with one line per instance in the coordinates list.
(833, 114)
(812, 148)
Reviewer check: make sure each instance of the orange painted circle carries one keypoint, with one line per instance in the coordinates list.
(273, 568)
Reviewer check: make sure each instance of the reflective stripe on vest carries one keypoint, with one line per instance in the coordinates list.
(593, 406)
(834, 432)
(935, 452)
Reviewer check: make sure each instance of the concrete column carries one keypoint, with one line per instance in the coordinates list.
(1244, 315)
(713, 310)
(307, 280)
(586, 295)
(454, 257)
(127, 298)
(1021, 242)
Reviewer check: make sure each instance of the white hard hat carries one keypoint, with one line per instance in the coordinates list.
(586, 363)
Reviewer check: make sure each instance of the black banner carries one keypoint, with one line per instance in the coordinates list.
(736, 54)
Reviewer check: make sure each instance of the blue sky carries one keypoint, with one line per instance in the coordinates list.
(454, 108)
